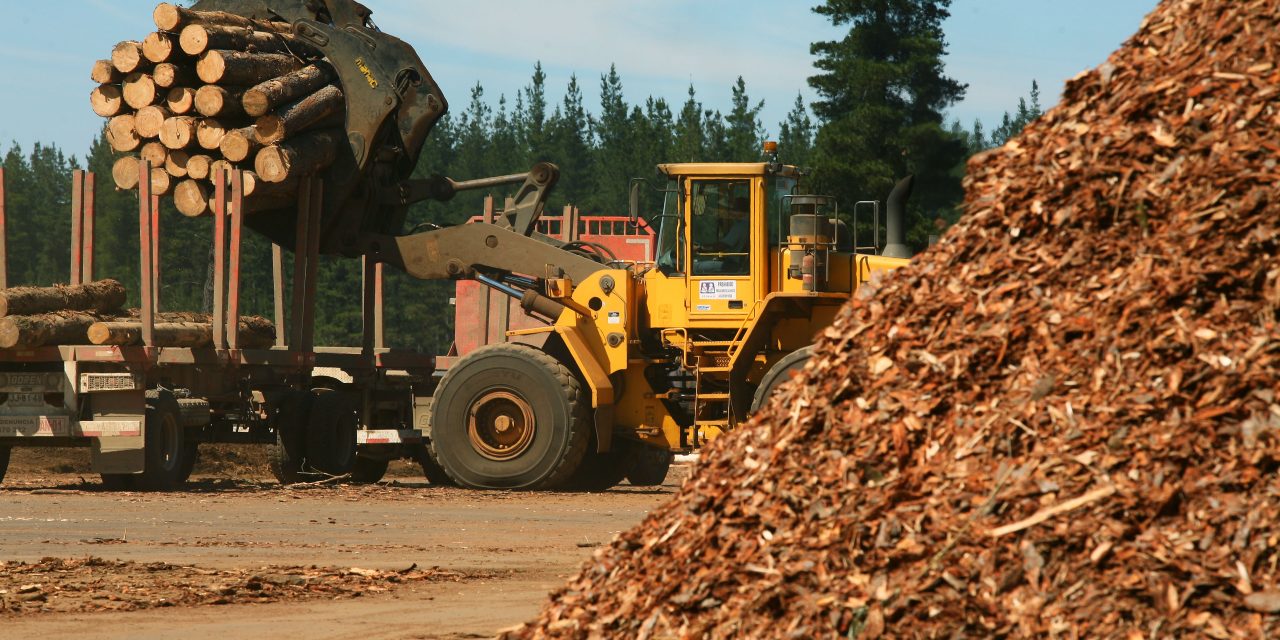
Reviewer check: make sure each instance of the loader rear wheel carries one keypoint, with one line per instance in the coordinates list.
(4, 461)
(509, 416)
(649, 466)
(779, 373)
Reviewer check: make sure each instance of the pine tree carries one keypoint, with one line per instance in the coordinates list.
(744, 134)
(882, 93)
(535, 124)
(615, 147)
(795, 135)
(569, 132)
(690, 138)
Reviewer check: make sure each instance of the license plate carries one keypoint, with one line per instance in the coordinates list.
(25, 398)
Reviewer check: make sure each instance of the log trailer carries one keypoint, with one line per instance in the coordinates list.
(628, 363)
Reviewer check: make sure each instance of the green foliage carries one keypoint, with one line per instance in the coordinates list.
(1011, 124)
(882, 94)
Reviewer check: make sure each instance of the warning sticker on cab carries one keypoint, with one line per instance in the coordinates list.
(718, 290)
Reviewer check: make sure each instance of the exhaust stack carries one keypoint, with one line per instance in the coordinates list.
(895, 218)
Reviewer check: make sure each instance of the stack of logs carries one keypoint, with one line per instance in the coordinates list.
(91, 313)
(212, 90)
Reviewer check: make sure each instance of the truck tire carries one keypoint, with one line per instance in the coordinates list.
(509, 416)
(431, 469)
(368, 470)
(602, 471)
(166, 446)
(649, 466)
(4, 461)
(285, 456)
(331, 433)
(779, 373)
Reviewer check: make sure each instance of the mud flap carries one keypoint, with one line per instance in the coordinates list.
(119, 454)
(604, 428)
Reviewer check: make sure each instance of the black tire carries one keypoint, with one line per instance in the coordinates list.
(285, 456)
(331, 433)
(509, 416)
(166, 445)
(368, 470)
(602, 471)
(779, 373)
(431, 469)
(649, 466)
(4, 461)
(118, 481)
(189, 459)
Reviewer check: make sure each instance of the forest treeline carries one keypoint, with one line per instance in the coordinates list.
(862, 133)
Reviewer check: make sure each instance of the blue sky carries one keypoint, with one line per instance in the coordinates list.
(659, 46)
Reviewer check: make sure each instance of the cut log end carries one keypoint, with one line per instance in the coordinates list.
(191, 197)
(238, 145)
(178, 132)
(122, 133)
(158, 47)
(198, 166)
(105, 73)
(125, 172)
(180, 100)
(106, 100)
(127, 56)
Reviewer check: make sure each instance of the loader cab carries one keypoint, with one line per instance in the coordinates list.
(716, 233)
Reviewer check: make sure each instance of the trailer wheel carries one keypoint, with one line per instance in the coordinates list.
(4, 461)
(508, 416)
(779, 373)
(368, 470)
(285, 456)
(331, 432)
(434, 473)
(166, 446)
(649, 466)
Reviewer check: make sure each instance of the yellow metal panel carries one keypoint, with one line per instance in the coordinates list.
(588, 364)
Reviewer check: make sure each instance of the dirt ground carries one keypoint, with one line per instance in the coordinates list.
(238, 556)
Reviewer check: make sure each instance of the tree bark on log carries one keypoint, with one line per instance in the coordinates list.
(124, 171)
(175, 163)
(178, 132)
(191, 197)
(100, 295)
(107, 100)
(181, 100)
(29, 332)
(194, 335)
(295, 158)
(198, 38)
(316, 110)
(217, 101)
(169, 75)
(267, 96)
(149, 120)
(209, 133)
(105, 73)
(169, 17)
(154, 153)
(158, 47)
(122, 133)
(238, 145)
(127, 57)
(140, 91)
(241, 68)
(198, 166)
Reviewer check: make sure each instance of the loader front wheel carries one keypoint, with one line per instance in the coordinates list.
(779, 373)
(509, 416)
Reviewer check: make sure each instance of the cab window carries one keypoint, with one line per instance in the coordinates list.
(720, 227)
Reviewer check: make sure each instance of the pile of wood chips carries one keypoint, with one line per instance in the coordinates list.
(210, 90)
(1063, 421)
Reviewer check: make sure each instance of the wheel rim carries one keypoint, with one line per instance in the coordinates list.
(169, 435)
(500, 425)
